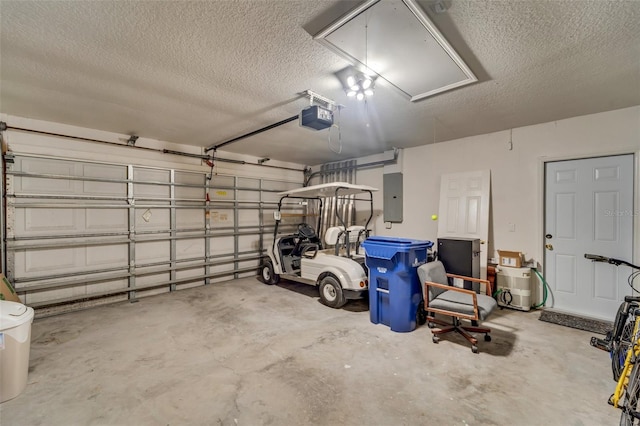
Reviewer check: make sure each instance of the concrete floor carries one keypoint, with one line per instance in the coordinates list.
(243, 353)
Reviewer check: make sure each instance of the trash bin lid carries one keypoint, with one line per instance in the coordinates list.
(399, 242)
(388, 247)
(13, 314)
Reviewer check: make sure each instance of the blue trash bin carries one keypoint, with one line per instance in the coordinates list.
(394, 288)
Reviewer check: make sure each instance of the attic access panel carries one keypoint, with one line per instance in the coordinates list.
(396, 40)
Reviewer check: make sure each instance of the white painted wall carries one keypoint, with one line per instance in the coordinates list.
(517, 179)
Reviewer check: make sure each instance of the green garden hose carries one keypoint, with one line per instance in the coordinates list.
(544, 290)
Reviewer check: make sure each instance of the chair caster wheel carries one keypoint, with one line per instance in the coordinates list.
(435, 339)
(474, 349)
(430, 324)
(487, 338)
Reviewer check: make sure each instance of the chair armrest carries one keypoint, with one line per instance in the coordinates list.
(449, 287)
(474, 297)
(477, 280)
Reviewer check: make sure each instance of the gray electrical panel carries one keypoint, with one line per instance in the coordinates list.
(392, 197)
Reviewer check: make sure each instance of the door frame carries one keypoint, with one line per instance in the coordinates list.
(542, 162)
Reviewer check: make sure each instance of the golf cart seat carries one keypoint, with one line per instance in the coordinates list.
(332, 235)
(335, 236)
(337, 233)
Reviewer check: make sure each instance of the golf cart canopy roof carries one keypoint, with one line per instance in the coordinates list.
(327, 190)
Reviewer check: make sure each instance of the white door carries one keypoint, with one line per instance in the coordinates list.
(464, 209)
(588, 209)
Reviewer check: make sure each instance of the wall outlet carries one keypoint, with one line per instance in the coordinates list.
(512, 227)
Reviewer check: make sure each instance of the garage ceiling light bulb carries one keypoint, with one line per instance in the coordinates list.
(358, 84)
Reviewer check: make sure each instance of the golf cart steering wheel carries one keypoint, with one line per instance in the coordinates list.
(306, 231)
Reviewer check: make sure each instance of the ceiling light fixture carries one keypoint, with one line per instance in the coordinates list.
(359, 85)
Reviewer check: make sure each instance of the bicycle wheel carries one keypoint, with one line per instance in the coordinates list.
(630, 409)
(619, 347)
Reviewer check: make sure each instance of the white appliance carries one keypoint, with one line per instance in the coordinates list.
(514, 288)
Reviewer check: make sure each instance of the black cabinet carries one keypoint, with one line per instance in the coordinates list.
(460, 256)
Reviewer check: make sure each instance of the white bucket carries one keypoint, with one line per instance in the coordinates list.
(15, 342)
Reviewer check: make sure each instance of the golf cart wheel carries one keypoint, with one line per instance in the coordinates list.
(267, 274)
(331, 292)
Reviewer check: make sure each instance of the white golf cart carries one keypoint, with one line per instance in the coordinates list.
(334, 263)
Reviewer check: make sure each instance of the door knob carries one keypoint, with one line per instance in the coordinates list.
(549, 246)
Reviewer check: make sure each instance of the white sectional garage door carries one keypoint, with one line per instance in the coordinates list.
(84, 233)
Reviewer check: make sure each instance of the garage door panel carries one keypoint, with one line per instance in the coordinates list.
(228, 267)
(244, 182)
(197, 272)
(248, 242)
(151, 280)
(153, 251)
(152, 219)
(46, 262)
(186, 192)
(270, 197)
(221, 194)
(220, 218)
(34, 221)
(253, 196)
(108, 286)
(248, 217)
(111, 220)
(190, 248)
(107, 256)
(221, 245)
(221, 181)
(150, 190)
(275, 185)
(45, 296)
(152, 292)
(103, 171)
(190, 218)
(248, 264)
(45, 185)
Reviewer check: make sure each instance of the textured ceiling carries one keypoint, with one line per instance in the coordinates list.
(200, 73)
